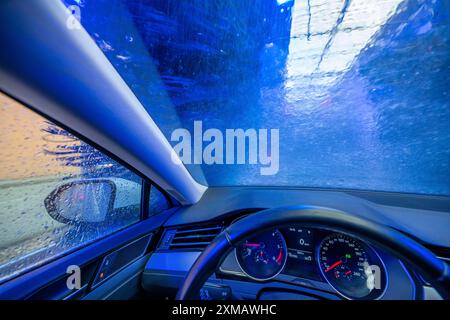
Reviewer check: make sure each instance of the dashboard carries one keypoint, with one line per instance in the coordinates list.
(292, 262)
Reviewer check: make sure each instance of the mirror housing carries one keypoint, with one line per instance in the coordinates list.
(81, 202)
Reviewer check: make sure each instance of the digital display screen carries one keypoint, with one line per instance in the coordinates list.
(301, 261)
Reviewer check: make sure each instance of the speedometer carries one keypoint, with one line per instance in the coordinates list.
(351, 267)
(262, 257)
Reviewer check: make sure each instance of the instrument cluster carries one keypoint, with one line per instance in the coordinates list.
(349, 265)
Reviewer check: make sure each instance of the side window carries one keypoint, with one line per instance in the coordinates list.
(57, 193)
(157, 201)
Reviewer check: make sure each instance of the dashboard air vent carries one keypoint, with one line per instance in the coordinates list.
(194, 237)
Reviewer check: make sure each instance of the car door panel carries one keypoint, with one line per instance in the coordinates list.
(49, 281)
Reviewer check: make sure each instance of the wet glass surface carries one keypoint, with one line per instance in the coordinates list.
(359, 89)
(36, 158)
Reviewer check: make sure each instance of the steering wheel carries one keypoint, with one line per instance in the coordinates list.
(433, 270)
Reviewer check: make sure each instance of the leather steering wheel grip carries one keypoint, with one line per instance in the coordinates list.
(434, 270)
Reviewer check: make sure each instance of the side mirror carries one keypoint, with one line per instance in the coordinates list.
(81, 202)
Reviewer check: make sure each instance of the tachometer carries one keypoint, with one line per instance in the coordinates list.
(263, 257)
(351, 267)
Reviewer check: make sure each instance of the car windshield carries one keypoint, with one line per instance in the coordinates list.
(350, 94)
